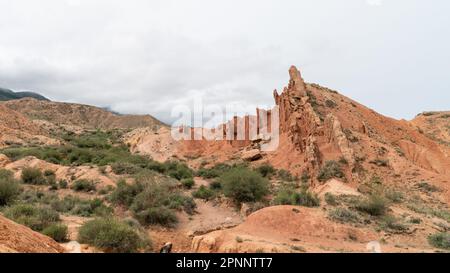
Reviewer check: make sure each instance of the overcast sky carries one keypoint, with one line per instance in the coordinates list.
(143, 56)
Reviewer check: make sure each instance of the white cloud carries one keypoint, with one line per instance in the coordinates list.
(142, 56)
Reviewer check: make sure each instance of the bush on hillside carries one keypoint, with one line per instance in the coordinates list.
(331, 169)
(157, 216)
(375, 205)
(214, 172)
(266, 170)
(9, 189)
(204, 193)
(33, 176)
(188, 183)
(111, 235)
(35, 217)
(288, 196)
(57, 232)
(84, 185)
(440, 240)
(244, 185)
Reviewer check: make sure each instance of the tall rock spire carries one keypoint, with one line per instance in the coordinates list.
(296, 84)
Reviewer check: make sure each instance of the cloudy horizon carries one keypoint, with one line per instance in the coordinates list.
(145, 57)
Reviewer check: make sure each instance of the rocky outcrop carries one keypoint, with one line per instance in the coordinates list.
(298, 120)
(284, 229)
(335, 134)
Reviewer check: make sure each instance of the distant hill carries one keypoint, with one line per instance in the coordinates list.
(86, 116)
(6, 94)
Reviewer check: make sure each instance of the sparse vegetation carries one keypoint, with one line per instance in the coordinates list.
(152, 202)
(84, 185)
(440, 240)
(101, 149)
(111, 235)
(204, 193)
(124, 168)
(288, 196)
(394, 196)
(331, 169)
(425, 186)
(266, 170)
(33, 176)
(35, 217)
(390, 223)
(57, 232)
(343, 215)
(285, 175)
(188, 183)
(9, 188)
(331, 199)
(157, 216)
(375, 205)
(244, 185)
(67, 205)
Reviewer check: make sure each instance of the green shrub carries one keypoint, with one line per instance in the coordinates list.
(178, 170)
(266, 170)
(374, 205)
(80, 207)
(35, 217)
(204, 193)
(188, 183)
(214, 172)
(63, 184)
(331, 169)
(285, 175)
(390, 223)
(157, 216)
(179, 201)
(157, 195)
(343, 215)
(394, 196)
(306, 178)
(83, 185)
(33, 176)
(440, 240)
(244, 185)
(111, 235)
(125, 193)
(57, 232)
(215, 185)
(288, 196)
(120, 168)
(6, 174)
(49, 173)
(9, 190)
(331, 199)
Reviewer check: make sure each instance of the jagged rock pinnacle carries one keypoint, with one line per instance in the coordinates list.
(296, 82)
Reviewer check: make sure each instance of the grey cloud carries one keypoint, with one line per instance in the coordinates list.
(147, 56)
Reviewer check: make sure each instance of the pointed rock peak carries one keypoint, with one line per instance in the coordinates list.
(295, 74)
(296, 83)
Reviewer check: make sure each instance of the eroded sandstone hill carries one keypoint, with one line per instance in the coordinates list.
(318, 125)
